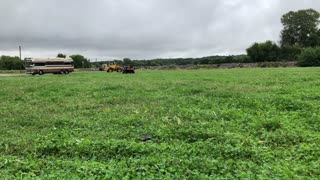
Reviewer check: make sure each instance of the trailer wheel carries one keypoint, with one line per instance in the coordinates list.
(66, 71)
(40, 72)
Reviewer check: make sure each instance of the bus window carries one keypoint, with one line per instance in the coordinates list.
(39, 64)
(54, 63)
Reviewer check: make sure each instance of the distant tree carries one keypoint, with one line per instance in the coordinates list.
(204, 61)
(60, 55)
(253, 52)
(195, 62)
(80, 61)
(266, 51)
(228, 59)
(300, 28)
(10, 63)
(242, 59)
(310, 57)
(185, 61)
(127, 61)
(119, 62)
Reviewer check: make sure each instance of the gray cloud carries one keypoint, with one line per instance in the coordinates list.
(140, 29)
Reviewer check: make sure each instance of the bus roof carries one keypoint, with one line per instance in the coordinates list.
(51, 59)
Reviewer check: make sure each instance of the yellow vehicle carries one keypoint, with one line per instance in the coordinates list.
(111, 67)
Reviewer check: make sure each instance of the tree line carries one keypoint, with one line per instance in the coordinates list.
(299, 41)
(180, 61)
(14, 63)
(79, 61)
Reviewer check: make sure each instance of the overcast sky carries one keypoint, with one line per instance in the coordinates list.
(140, 29)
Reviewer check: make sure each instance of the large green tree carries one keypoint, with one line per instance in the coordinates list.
(300, 28)
(80, 61)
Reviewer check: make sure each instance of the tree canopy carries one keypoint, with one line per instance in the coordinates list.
(266, 51)
(300, 28)
(80, 61)
(60, 55)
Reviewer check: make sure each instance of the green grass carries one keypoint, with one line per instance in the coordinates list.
(12, 71)
(205, 124)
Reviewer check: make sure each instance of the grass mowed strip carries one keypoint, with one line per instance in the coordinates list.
(227, 123)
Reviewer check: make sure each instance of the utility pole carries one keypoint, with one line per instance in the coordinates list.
(20, 58)
(20, 52)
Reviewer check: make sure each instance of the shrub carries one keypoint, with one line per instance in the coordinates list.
(266, 51)
(10, 63)
(290, 53)
(310, 57)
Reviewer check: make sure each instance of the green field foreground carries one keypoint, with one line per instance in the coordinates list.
(205, 124)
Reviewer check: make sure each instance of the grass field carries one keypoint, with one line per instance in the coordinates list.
(214, 123)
